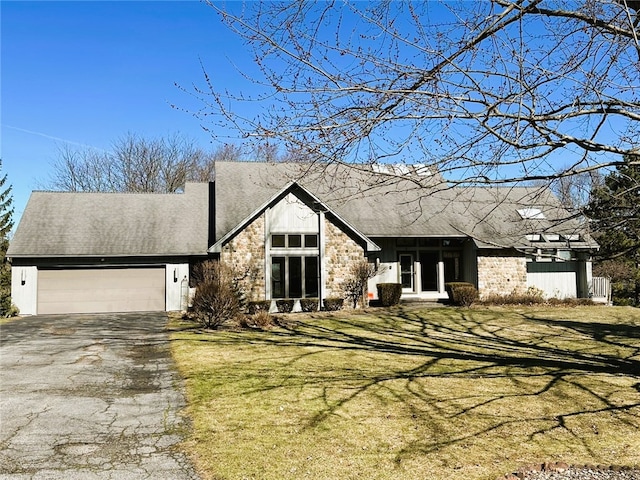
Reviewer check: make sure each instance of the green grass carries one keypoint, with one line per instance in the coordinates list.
(414, 393)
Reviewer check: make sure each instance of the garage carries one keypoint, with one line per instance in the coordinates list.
(101, 290)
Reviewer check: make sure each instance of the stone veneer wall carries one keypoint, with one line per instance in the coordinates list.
(340, 252)
(245, 252)
(501, 273)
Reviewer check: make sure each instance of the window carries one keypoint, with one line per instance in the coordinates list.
(311, 241)
(451, 261)
(572, 237)
(552, 237)
(278, 241)
(278, 277)
(310, 276)
(531, 213)
(406, 242)
(429, 242)
(452, 242)
(292, 240)
(294, 277)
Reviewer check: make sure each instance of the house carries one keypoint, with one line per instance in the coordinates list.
(297, 229)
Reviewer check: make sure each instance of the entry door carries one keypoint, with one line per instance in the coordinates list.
(406, 272)
(429, 271)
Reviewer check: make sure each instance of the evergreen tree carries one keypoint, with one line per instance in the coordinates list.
(6, 224)
(615, 212)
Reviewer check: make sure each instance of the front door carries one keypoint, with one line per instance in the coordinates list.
(406, 272)
(429, 271)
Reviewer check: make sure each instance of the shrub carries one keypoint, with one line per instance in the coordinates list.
(355, 286)
(451, 287)
(285, 305)
(333, 303)
(570, 302)
(217, 298)
(259, 306)
(461, 293)
(309, 304)
(466, 295)
(7, 309)
(531, 296)
(389, 293)
(260, 319)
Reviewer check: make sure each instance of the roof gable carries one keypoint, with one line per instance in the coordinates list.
(309, 199)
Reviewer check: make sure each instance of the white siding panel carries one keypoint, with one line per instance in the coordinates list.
(177, 281)
(555, 279)
(291, 215)
(24, 289)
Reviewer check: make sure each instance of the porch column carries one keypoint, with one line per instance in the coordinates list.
(441, 277)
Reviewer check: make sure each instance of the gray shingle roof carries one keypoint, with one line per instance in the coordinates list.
(389, 205)
(66, 224)
(63, 224)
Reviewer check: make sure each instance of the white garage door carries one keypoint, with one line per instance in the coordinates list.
(101, 290)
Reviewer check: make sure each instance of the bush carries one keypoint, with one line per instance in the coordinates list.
(570, 302)
(217, 298)
(531, 296)
(461, 293)
(355, 286)
(333, 303)
(259, 306)
(465, 295)
(309, 304)
(7, 309)
(260, 319)
(389, 293)
(285, 305)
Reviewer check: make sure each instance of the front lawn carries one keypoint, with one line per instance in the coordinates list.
(414, 393)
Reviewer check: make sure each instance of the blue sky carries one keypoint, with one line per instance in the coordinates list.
(87, 72)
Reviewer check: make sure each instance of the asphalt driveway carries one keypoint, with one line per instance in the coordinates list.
(90, 397)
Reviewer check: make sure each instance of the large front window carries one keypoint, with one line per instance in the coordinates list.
(294, 265)
(294, 276)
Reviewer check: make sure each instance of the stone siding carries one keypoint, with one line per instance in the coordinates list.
(501, 273)
(245, 253)
(341, 252)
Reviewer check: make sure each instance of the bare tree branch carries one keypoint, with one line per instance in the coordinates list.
(136, 164)
(489, 92)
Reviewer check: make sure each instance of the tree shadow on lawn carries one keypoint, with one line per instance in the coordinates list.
(589, 368)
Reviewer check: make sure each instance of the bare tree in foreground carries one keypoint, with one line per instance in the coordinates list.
(491, 92)
(137, 164)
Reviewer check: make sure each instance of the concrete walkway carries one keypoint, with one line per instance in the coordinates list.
(90, 397)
